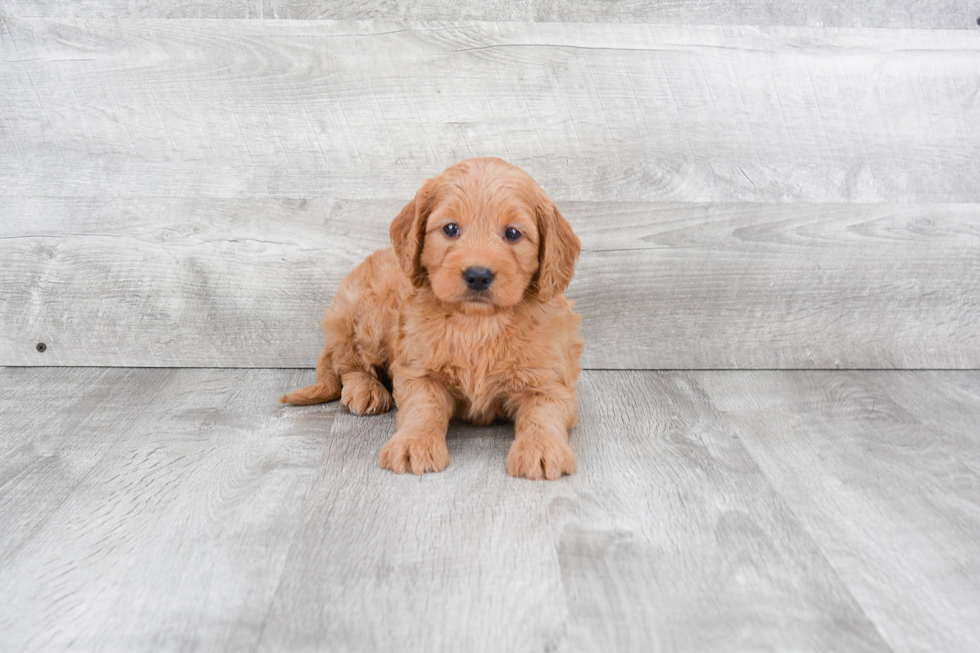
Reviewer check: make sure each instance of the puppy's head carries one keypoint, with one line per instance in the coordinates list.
(484, 235)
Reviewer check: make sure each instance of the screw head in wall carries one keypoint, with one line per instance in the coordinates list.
(41, 347)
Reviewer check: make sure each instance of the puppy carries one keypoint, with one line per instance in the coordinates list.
(466, 315)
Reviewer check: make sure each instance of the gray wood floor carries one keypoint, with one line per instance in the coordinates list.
(185, 510)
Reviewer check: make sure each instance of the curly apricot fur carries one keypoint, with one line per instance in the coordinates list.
(511, 351)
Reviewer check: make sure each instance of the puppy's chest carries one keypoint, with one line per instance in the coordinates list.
(480, 382)
(479, 365)
(478, 370)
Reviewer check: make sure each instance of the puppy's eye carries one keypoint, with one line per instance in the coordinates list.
(451, 230)
(512, 234)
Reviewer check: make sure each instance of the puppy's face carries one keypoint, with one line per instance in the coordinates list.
(484, 235)
(481, 245)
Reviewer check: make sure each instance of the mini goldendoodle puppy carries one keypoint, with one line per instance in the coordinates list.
(467, 316)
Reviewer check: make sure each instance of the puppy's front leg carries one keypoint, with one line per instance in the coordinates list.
(540, 448)
(419, 443)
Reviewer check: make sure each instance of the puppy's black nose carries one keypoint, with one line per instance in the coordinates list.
(478, 278)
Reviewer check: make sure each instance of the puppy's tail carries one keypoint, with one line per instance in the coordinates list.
(326, 388)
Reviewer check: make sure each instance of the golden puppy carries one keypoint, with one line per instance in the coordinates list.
(467, 316)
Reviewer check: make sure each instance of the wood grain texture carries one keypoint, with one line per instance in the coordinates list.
(244, 283)
(667, 488)
(946, 404)
(364, 110)
(955, 14)
(890, 499)
(57, 427)
(462, 560)
(178, 497)
(599, 561)
(219, 520)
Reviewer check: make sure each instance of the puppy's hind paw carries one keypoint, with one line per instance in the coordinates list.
(363, 394)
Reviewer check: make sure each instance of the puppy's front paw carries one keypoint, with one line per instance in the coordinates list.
(416, 454)
(364, 395)
(537, 458)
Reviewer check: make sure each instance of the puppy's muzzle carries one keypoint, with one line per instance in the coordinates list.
(478, 279)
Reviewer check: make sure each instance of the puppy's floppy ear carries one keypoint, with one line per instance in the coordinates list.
(407, 232)
(558, 249)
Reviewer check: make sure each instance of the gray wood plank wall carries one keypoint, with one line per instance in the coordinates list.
(364, 110)
(189, 192)
(243, 282)
(948, 14)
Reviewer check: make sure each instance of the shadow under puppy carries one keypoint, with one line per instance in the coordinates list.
(467, 316)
